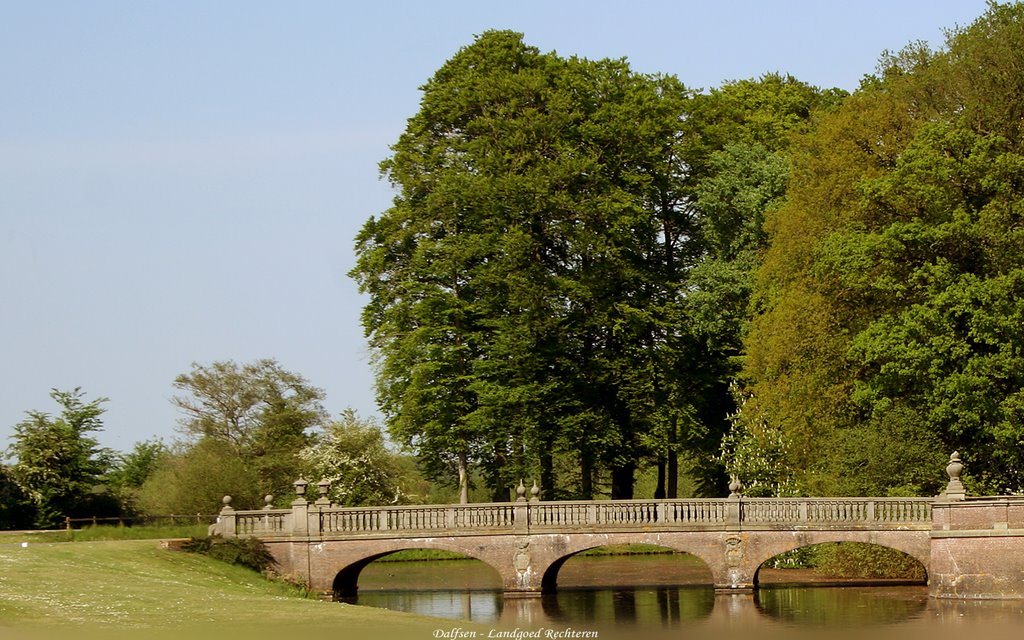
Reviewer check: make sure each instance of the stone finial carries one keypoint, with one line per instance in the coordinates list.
(735, 487)
(227, 504)
(300, 488)
(267, 500)
(955, 488)
(535, 492)
(323, 487)
(521, 492)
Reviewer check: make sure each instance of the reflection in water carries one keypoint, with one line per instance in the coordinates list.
(468, 591)
(842, 607)
(648, 607)
(478, 606)
(653, 607)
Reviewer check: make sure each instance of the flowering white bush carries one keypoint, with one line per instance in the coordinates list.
(352, 456)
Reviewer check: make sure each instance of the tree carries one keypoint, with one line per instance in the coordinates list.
(352, 456)
(890, 328)
(58, 463)
(260, 412)
(536, 289)
(16, 509)
(132, 470)
(509, 282)
(195, 478)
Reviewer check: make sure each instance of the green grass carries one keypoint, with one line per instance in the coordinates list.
(128, 587)
(112, 532)
(414, 555)
(627, 550)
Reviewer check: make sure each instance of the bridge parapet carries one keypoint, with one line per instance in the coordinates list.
(734, 514)
(873, 513)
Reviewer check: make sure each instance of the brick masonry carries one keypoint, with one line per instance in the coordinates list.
(977, 549)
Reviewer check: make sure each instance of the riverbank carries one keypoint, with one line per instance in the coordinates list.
(123, 588)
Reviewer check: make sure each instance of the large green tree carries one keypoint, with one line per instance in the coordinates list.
(513, 283)
(58, 463)
(891, 325)
(559, 281)
(259, 412)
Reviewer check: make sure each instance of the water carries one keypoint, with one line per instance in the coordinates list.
(645, 595)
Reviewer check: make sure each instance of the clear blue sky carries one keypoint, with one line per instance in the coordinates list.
(181, 181)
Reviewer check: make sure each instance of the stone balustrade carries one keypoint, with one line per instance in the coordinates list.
(326, 520)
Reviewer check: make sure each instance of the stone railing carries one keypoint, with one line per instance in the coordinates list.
(322, 519)
(326, 520)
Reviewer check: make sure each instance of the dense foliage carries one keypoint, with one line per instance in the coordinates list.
(58, 464)
(548, 295)
(257, 414)
(247, 552)
(890, 329)
(352, 456)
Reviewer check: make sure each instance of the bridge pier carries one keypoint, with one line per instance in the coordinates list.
(977, 549)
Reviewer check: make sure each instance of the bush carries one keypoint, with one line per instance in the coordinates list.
(861, 560)
(248, 552)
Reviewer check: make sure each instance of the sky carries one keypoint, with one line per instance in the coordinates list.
(181, 182)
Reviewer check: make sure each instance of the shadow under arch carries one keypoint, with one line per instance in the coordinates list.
(346, 581)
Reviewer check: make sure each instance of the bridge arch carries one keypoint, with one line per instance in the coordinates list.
(915, 544)
(345, 582)
(573, 549)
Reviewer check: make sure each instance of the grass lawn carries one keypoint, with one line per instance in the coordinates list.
(134, 588)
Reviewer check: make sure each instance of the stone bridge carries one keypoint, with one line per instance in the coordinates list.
(969, 548)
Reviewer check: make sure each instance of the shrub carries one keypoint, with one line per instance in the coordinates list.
(860, 560)
(248, 552)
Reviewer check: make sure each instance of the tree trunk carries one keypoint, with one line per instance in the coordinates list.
(547, 474)
(673, 460)
(673, 475)
(659, 491)
(586, 477)
(622, 481)
(463, 480)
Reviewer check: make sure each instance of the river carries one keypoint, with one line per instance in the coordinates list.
(644, 595)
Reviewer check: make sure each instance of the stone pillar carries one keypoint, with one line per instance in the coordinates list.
(300, 509)
(733, 508)
(521, 511)
(226, 521)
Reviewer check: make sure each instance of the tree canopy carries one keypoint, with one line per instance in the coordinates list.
(531, 290)
(891, 324)
(258, 412)
(58, 463)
